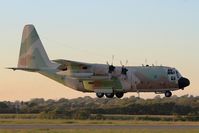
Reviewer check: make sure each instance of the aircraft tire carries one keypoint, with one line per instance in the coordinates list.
(119, 94)
(99, 95)
(109, 95)
(168, 94)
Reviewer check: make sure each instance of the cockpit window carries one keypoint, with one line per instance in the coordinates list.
(173, 78)
(177, 74)
(171, 71)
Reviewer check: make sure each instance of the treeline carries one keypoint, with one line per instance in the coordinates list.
(87, 107)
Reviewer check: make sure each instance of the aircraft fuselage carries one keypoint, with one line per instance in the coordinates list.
(103, 79)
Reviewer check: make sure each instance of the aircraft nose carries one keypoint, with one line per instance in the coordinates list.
(183, 82)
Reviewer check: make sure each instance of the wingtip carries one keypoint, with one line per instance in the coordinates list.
(12, 68)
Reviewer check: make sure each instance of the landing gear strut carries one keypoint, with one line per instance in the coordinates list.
(168, 94)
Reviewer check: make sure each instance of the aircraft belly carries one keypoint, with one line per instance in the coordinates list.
(103, 85)
(104, 90)
(154, 90)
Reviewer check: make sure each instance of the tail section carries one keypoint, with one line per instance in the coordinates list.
(32, 53)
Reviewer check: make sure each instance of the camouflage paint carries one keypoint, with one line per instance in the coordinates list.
(87, 77)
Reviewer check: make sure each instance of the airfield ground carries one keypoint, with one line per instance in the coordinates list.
(94, 126)
(100, 131)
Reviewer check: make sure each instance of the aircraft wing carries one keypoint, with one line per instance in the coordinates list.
(69, 62)
(91, 78)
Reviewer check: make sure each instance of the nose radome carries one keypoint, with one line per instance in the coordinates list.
(183, 82)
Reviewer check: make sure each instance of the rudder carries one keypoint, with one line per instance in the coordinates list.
(32, 53)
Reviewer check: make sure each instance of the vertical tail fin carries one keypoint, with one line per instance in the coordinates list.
(32, 53)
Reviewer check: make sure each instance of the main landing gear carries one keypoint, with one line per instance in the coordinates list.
(110, 95)
(168, 94)
(99, 95)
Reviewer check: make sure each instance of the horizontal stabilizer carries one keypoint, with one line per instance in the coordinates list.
(24, 69)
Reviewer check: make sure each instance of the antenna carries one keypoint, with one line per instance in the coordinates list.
(156, 63)
(145, 61)
(112, 59)
(146, 64)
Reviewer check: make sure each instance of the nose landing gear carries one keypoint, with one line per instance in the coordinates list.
(168, 94)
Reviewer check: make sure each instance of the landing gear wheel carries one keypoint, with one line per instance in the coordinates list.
(99, 95)
(109, 95)
(119, 94)
(168, 94)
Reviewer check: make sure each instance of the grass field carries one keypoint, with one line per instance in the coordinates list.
(33, 120)
(109, 117)
(101, 131)
(96, 122)
(92, 122)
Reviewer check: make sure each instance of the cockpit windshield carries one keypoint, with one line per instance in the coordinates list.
(173, 71)
(178, 74)
(170, 71)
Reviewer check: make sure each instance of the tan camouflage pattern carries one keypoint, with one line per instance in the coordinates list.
(88, 77)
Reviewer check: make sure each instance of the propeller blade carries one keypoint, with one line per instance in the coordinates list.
(121, 63)
(126, 62)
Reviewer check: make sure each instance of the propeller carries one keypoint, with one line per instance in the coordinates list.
(124, 69)
(146, 64)
(111, 67)
(125, 63)
(112, 59)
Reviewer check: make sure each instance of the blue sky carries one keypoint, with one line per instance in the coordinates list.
(159, 31)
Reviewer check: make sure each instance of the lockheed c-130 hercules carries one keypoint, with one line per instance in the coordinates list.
(102, 79)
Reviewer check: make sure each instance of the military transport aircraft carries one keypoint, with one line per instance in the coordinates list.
(102, 79)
